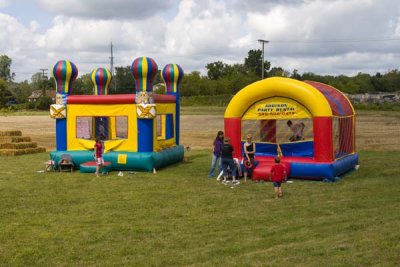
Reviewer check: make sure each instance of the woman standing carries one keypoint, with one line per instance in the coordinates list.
(249, 148)
(217, 150)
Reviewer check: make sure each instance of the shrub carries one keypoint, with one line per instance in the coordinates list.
(43, 103)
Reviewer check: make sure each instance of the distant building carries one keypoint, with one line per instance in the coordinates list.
(379, 97)
(38, 93)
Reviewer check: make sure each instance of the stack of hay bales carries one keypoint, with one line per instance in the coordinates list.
(12, 143)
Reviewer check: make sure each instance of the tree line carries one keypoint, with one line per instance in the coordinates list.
(221, 79)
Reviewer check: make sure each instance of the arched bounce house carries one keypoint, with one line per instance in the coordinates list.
(140, 131)
(324, 148)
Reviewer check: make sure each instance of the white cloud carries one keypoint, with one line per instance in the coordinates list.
(115, 9)
(86, 42)
(19, 43)
(195, 33)
(4, 3)
(203, 32)
(319, 30)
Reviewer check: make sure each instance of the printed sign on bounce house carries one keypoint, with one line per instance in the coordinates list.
(276, 108)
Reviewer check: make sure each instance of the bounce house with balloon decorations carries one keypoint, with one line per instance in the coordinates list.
(140, 131)
(310, 125)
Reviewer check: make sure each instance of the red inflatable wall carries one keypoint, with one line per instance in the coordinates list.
(323, 139)
(233, 130)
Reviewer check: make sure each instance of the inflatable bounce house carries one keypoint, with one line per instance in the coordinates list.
(310, 125)
(140, 131)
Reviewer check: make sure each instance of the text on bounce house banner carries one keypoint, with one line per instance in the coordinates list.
(278, 108)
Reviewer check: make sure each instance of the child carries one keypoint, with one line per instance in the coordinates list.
(98, 154)
(227, 161)
(297, 130)
(278, 175)
(217, 149)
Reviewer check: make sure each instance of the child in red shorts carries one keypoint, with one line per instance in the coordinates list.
(278, 175)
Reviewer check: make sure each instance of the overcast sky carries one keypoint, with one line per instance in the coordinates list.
(321, 36)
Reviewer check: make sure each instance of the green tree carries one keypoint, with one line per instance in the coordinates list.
(295, 75)
(363, 80)
(351, 87)
(83, 85)
(125, 83)
(5, 65)
(43, 103)
(5, 95)
(216, 70)
(391, 80)
(157, 79)
(253, 62)
(192, 84)
(21, 91)
(378, 82)
(278, 72)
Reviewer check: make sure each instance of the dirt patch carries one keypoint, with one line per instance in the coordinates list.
(41, 129)
(373, 131)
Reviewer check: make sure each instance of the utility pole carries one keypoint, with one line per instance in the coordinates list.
(262, 63)
(43, 82)
(112, 67)
(112, 61)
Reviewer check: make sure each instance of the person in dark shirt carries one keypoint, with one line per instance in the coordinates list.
(249, 148)
(227, 161)
(217, 150)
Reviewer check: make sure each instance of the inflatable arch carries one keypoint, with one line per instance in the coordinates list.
(263, 109)
(140, 131)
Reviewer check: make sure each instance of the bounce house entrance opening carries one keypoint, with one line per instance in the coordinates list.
(292, 137)
(277, 131)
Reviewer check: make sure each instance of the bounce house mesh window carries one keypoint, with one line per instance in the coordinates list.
(160, 126)
(84, 127)
(107, 128)
(121, 130)
(164, 126)
(278, 131)
(343, 136)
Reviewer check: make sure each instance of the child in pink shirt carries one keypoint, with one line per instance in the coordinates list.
(98, 154)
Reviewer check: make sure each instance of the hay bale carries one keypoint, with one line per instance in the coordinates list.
(15, 152)
(13, 143)
(5, 139)
(11, 133)
(18, 139)
(30, 150)
(14, 139)
(21, 145)
(8, 152)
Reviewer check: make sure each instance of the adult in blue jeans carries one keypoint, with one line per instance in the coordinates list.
(217, 150)
(227, 161)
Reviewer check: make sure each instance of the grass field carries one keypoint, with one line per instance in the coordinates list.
(179, 217)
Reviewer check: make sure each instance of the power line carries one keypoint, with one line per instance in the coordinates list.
(43, 74)
(336, 41)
